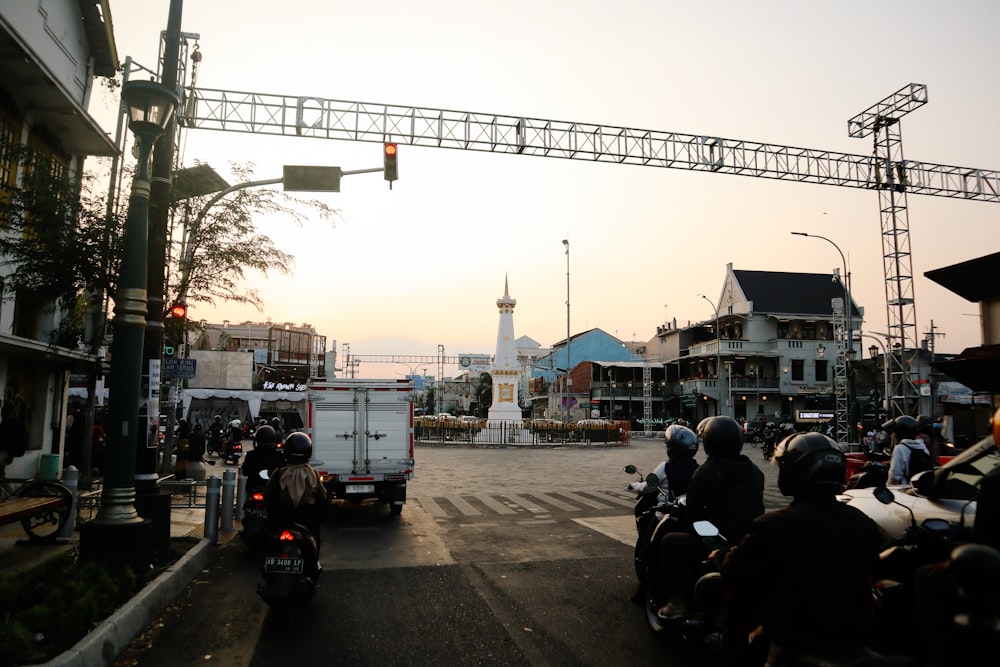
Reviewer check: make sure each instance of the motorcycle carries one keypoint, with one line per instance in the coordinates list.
(232, 449)
(291, 570)
(291, 567)
(654, 518)
(254, 520)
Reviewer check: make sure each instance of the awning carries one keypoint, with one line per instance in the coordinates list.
(978, 368)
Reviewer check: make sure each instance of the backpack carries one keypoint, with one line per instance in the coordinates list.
(919, 461)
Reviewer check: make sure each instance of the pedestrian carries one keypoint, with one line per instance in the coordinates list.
(13, 438)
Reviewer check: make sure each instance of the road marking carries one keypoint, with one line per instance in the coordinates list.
(546, 498)
(432, 508)
(612, 498)
(463, 506)
(536, 522)
(525, 503)
(496, 505)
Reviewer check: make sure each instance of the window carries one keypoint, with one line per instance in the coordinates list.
(798, 370)
(821, 370)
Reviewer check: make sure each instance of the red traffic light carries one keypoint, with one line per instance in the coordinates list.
(391, 171)
(179, 310)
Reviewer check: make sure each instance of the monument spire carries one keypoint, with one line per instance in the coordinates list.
(506, 369)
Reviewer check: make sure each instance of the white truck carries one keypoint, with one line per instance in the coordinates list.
(362, 433)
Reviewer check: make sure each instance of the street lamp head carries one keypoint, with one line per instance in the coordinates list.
(800, 234)
(150, 106)
(873, 351)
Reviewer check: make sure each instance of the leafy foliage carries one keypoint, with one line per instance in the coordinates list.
(222, 242)
(59, 240)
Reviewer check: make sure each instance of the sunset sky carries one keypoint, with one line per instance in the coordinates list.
(422, 265)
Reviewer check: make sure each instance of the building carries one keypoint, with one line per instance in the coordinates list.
(52, 53)
(770, 352)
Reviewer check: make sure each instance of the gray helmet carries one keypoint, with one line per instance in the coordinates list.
(681, 442)
(266, 437)
(904, 427)
(809, 463)
(298, 448)
(721, 435)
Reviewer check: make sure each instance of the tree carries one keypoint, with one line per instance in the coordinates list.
(484, 393)
(58, 241)
(210, 257)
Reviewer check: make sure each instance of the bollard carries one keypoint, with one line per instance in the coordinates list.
(241, 494)
(228, 492)
(212, 509)
(71, 480)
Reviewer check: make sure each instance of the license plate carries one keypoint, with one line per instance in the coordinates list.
(255, 512)
(283, 565)
(361, 488)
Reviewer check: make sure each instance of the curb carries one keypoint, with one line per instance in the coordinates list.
(107, 641)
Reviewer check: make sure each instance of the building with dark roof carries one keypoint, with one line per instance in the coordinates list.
(771, 352)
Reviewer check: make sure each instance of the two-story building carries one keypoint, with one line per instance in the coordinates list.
(52, 53)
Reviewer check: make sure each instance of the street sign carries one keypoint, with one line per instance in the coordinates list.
(178, 369)
(303, 178)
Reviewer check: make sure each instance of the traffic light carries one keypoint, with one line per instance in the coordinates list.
(391, 172)
(175, 323)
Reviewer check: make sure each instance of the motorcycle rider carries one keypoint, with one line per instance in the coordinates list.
(676, 471)
(215, 433)
(295, 494)
(265, 456)
(806, 570)
(905, 431)
(728, 490)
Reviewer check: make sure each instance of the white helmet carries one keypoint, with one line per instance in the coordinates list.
(236, 423)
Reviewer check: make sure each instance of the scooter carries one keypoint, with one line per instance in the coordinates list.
(254, 520)
(291, 570)
(291, 567)
(232, 450)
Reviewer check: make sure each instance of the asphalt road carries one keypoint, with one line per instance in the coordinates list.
(500, 557)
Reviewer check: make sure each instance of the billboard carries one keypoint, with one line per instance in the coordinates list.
(475, 363)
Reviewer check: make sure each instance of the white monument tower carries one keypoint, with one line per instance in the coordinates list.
(506, 370)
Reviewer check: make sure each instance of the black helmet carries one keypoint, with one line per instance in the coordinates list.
(298, 448)
(809, 462)
(266, 437)
(681, 442)
(721, 435)
(218, 418)
(904, 427)
(276, 422)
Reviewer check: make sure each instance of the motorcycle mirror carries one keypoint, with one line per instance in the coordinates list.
(883, 495)
(886, 497)
(630, 469)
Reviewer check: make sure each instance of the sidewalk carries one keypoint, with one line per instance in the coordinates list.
(115, 634)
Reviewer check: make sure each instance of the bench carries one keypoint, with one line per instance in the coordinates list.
(43, 508)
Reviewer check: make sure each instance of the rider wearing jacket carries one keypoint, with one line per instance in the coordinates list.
(675, 473)
(807, 568)
(264, 456)
(728, 490)
(905, 431)
(295, 494)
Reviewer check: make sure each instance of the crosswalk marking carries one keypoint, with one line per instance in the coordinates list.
(538, 504)
(555, 502)
(525, 503)
(496, 505)
(463, 506)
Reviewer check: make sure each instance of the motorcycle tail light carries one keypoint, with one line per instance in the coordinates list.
(286, 536)
(257, 496)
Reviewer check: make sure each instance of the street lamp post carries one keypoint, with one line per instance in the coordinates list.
(117, 535)
(848, 307)
(718, 348)
(885, 370)
(569, 366)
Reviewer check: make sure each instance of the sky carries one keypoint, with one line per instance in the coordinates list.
(421, 265)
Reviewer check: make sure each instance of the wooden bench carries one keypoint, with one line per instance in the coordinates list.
(43, 508)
